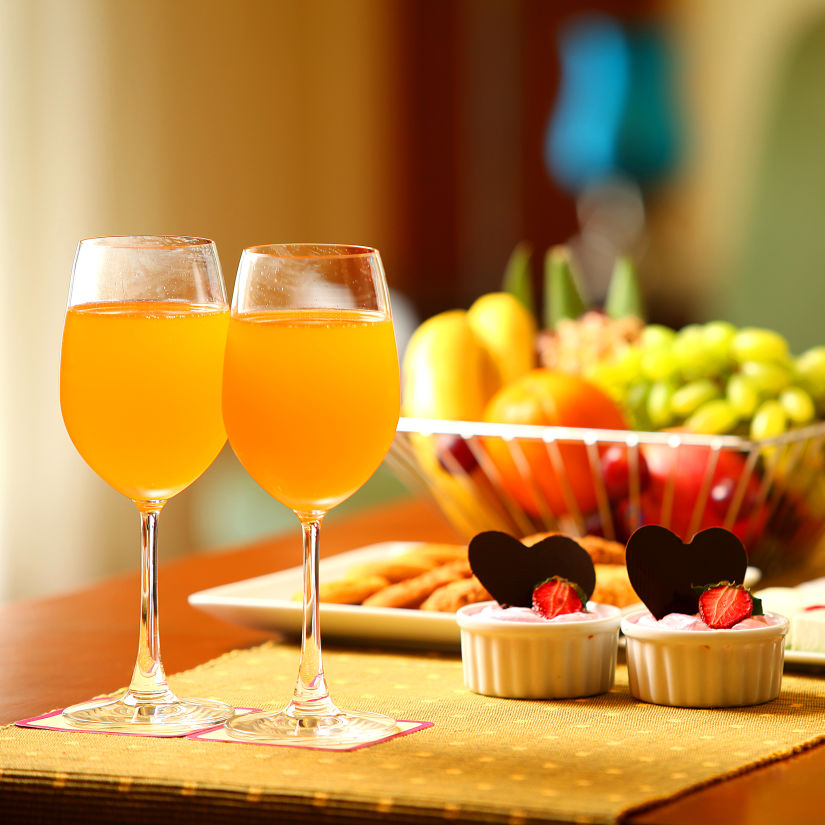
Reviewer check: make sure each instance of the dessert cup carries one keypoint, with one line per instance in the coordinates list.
(704, 668)
(542, 659)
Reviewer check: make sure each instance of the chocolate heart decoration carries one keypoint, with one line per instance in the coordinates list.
(663, 570)
(511, 571)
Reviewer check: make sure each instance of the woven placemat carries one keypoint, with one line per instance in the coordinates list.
(485, 759)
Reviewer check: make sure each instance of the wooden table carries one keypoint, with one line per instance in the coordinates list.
(63, 649)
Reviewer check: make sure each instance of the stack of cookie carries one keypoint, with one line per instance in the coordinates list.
(437, 577)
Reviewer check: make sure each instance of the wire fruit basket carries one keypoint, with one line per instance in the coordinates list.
(529, 479)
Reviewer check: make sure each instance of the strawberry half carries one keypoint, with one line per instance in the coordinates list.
(725, 604)
(558, 595)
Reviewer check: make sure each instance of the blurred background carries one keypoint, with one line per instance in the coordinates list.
(444, 132)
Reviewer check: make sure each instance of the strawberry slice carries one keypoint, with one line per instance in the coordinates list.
(725, 604)
(558, 595)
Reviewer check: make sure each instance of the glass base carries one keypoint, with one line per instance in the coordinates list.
(176, 717)
(338, 728)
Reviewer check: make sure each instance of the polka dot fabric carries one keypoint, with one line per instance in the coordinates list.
(484, 759)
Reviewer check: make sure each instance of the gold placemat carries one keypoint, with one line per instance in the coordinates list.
(485, 759)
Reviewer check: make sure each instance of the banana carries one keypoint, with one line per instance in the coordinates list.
(507, 329)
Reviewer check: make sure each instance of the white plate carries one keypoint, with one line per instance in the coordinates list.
(267, 603)
(801, 657)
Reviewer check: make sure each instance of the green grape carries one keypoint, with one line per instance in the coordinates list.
(697, 356)
(815, 388)
(689, 345)
(719, 335)
(655, 336)
(635, 401)
(658, 404)
(658, 364)
(769, 420)
(770, 379)
(628, 361)
(798, 405)
(713, 418)
(755, 344)
(743, 394)
(811, 365)
(688, 398)
(605, 374)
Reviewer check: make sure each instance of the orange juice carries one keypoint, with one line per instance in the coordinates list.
(140, 391)
(311, 401)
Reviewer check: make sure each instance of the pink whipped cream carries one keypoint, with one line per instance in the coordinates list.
(682, 621)
(498, 613)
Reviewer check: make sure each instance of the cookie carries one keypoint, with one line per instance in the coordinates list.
(601, 550)
(349, 591)
(394, 569)
(412, 592)
(613, 586)
(449, 597)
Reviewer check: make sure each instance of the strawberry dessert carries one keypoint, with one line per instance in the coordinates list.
(722, 606)
(705, 640)
(804, 605)
(541, 638)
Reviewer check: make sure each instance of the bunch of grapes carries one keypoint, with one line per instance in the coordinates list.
(715, 379)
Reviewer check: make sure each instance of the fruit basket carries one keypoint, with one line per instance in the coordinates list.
(529, 479)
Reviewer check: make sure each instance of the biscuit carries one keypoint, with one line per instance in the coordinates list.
(349, 591)
(436, 553)
(394, 569)
(601, 550)
(412, 592)
(613, 586)
(449, 597)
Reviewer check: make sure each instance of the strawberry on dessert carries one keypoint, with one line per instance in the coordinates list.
(541, 638)
(725, 604)
(556, 596)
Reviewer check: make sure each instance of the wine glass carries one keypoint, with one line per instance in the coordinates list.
(310, 402)
(140, 392)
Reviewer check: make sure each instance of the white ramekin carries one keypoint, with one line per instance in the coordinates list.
(704, 668)
(538, 660)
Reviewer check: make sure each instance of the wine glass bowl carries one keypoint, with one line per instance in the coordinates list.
(140, 393)
(310, 403)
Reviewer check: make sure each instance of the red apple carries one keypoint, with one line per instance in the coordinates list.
(691, 466)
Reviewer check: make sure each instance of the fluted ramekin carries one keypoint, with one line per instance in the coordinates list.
(539, 660)
(705, 668)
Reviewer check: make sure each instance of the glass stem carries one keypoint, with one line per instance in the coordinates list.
(148, 684)
(311, 697)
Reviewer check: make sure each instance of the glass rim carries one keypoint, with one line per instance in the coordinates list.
(147, 241)
(304, 250)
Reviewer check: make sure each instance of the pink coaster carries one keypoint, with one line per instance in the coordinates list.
(219, 734)
(55, 721)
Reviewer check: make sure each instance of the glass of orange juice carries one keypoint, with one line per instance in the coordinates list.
(140, 392)
(311, 402)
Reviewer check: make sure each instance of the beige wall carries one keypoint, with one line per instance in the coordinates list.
(732, 54)
(245, 121)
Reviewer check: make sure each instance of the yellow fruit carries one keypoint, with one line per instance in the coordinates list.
(447, 372)
(508, 331)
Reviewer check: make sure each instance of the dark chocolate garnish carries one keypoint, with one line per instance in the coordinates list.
(664, 571)
(511, 571)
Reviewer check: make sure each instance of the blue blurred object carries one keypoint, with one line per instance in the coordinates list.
(648, 138)
(615, 113)
(580, 142)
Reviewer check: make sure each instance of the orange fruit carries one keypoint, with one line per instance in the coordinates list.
(550, 398)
